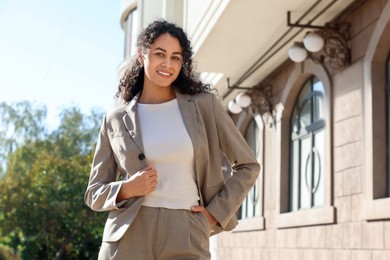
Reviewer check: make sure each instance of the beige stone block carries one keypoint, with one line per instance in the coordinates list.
(270, 238)
(352, 181)
(352, 235)
(381, 255)
(342, 255)
(304, 236)
(318, 237)
(289, 254)
(280, 235)
(347, 92)
(266, 254)
(237, 253)
(343, 205)
(231, 242)
(274, 254)
(338, 184)
(373, 235)
(349, 80)
(387, 234)
(357, 207)
(250, 239)
(348, 104)
(285, 254)
(222, 240)
(334, 236)
(309, 254)
(269, 216)
(348, 156)
(243, 238)
(248, 254)
(361, 255)
(292, 238)
(256, 253)
(262, 239)
(360, 43)
(324, 254)
(348, 130)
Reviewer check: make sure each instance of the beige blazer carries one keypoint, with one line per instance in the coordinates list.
(119, 154)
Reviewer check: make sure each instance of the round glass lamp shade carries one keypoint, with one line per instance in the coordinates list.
(243, 100)
(313, 42)
(234, 107)
(297, 53)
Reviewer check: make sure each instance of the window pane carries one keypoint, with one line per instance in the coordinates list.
(250, 207)
(295, 122)
(305, 91)
(305, 116)
(305, 174)
(318, 86)
(294, 175)
(318, 176)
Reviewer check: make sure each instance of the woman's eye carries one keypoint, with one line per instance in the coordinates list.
(160, 54)
(176, 58)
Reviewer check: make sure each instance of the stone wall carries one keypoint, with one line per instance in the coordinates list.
(351, 236)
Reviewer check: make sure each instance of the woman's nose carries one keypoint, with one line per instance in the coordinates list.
(167, 63)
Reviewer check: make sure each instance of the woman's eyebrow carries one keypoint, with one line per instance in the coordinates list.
(163, 50)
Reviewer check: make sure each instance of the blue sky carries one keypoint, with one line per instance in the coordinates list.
(60, 53)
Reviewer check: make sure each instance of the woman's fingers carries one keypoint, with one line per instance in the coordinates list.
(197, 208)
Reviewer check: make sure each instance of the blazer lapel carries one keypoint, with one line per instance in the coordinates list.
(188, 112)
(131, 122)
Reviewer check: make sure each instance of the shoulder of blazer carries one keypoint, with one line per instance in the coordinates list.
(204, 98)
(117, 113)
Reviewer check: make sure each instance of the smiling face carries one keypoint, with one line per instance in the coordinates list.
(162, 62)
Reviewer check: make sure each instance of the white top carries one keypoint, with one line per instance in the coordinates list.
(167, 144)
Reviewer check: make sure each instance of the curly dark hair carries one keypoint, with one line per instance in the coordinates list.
(133, 80)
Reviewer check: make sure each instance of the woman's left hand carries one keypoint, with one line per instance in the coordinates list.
(201, 209)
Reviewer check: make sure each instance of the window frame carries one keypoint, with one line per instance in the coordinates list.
(258, 222)
(313, 216)
(376, 206)
(310, 134)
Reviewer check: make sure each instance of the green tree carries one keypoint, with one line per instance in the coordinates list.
(44, 214)
(20, 122)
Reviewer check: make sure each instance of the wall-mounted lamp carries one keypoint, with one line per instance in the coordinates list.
(241, 101)
(255, 100)
(327, 45)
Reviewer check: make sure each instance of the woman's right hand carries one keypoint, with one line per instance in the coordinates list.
(141, 183)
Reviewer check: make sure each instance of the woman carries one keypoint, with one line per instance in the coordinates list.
(157, 165)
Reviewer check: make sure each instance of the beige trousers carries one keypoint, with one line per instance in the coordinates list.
(162, 234)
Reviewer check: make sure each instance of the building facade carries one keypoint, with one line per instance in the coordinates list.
(319, 127)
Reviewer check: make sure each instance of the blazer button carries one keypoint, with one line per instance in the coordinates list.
(141, 156)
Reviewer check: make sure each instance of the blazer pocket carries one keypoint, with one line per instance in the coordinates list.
(119, 134)
(122, 145)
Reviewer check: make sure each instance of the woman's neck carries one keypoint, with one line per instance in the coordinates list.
(156, 96)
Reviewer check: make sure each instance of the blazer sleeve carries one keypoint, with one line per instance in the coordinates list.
(103, 187)
(245, 168)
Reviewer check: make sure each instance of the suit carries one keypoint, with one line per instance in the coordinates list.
(119, 153)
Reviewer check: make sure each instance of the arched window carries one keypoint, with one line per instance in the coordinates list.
(307, 148)
(250, 207)
(376, 93)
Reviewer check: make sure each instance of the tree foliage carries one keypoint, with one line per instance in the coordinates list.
(20, 122)
(42, 211)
